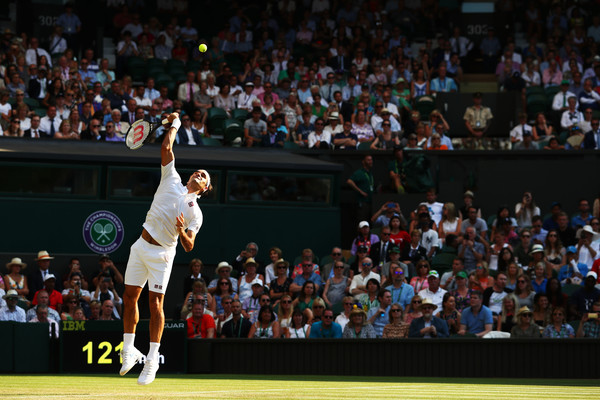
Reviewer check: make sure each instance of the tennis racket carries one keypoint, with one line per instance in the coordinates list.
(140, 132)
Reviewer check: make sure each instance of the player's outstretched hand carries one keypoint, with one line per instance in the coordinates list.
(172, 117)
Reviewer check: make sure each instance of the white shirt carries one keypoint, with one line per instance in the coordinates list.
(45, 124)
(517, 131)
(245, 101)
(560, 100)
(571, 118)
(143, 102)
(313, 138)
(430, 239)
(495, 304)
(436, 298)
(170, 200)
(435, 210)
(32, 55)
(360, 280)
(342, 320)
(585, 257)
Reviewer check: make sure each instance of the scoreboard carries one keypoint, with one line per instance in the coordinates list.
(94, 346)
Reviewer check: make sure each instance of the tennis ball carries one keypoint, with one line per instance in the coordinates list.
(202, 48)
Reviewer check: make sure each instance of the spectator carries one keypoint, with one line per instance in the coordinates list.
(572, 272)
(326, 328)
(428, 326)
(358, 327)
(200, 325)
(198, 291)
(337, 286)
(223, 271)
(397, 328)
(471, 250)
(477, 319)
(581, 301)
(266, 327)
(327, 271)
(41, 313)
(308, 275)
(299, 328)
(433, 291)
(589, 327)
(524, 291)
(361, 279)
(107, 311)
(450, 314)
(592, 137)
(237, 326)
(107, 268)
(525, 327)
(559, 327)
(379, 316)
(12, 312)
(493, 295)
(477, 117)
(571, 116)
(363, 182)
(442, 83)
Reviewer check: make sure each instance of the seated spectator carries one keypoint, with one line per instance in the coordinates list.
(397, 328)
(524, 291)
(106, 291)
(195, 273)
(344, 317)
(477, 319)
(370, 299)
(266, 327)
(198, 290)
(360, 280)
(308, 275)
(571, 116)
(589, 326)
(107, 311)
(572, 272)
(251, 304)
(559, 328)
(581, 301)
(442, 83)
(493, 295)
(433, 291)
(472, 251)
(224, 272)
(480, 279)
(200, 325)
(16, 280)
(518, 132)
(362, 129)
(305, 299)
(249, 279)
(43, 300)
(525, 327)
(280, 284)
(319, 138)
(55, 298)
(379, 316)
(237, 326)
(69, 304)
(507, 318)
(299, 328)
(338, 285)
(42, 316)
(542, 310)
(428, 326)
(12, 312)
(326, 328)
(74, 287)
(358, 326)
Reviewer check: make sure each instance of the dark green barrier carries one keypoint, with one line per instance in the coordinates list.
(7, 338)
(26, 345)
(483, 358)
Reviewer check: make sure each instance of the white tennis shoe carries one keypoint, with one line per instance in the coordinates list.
(130, 358)
(148, 373)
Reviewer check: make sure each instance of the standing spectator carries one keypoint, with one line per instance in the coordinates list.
(71, 25)
(477, 118)
(37, 277)
(477, 319)
(363, 182)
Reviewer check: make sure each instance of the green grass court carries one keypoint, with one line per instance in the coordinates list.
(289, 387)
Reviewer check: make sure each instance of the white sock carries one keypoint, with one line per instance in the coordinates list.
(128, 339)
(153, 353)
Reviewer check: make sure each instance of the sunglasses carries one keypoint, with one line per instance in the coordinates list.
(226, 302)
(553, 235)
(366, 264)
(521, 281)
(526, 236)
(224, 283)
(327, 316)
(527, 315)
(416, 302)
(286, 301)
(396, 310)
(336, 254)
(95, 126)
(265, 300)
(347, 304)
(318, 307)
(338, 267)
(282, 267)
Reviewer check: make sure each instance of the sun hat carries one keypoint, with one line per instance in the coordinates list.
(43, 255)
(16, 261)
(223, 265)
(427, 302)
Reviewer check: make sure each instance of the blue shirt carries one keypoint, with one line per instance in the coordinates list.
(539, 288)
(403, 295)
(567, 271)
(380, 321)
(314, 278)
(578, 221)
(318, 332)
(476, 323)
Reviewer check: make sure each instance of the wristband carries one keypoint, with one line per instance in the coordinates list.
(176, 124)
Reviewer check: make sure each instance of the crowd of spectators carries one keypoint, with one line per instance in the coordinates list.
(316, 74)
(439, 270)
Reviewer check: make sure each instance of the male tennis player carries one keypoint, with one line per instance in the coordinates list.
(174, 213)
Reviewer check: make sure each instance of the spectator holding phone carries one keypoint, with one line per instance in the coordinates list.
(589, 326)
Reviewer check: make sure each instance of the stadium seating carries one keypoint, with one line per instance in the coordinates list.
(216, 120)
(232, 129)
(240, 114)
(211, 142)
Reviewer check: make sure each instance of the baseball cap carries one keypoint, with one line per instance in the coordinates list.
(462, 274)
(565, 82)
(571, 249)
(395, 249)
(49, 276)
(362, 224)
(433, 273)
(257, 282)
(592, 273)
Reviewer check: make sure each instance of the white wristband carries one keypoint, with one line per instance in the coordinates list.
(176, 124)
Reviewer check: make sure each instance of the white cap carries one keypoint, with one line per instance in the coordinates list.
(362, 224)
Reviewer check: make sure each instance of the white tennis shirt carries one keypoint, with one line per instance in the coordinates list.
(170, 200)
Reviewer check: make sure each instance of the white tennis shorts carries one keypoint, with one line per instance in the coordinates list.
(149, 263)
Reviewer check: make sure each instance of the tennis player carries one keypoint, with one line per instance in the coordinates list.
(174, 214)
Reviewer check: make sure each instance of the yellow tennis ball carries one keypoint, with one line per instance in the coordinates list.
(202, 48)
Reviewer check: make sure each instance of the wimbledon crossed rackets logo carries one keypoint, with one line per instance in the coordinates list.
(103, 232)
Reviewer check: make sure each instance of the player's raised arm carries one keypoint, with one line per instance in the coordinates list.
(166, 151)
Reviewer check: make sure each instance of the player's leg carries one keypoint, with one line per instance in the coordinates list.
(158, 279)
(136, 276)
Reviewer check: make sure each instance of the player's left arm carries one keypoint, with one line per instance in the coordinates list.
(186, 238)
